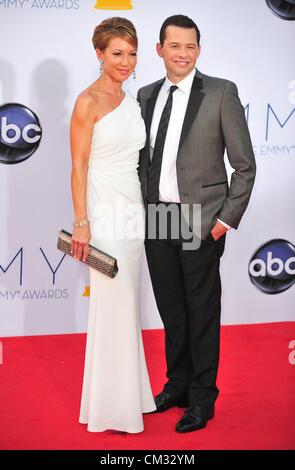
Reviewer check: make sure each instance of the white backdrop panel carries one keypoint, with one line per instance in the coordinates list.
(46, 60)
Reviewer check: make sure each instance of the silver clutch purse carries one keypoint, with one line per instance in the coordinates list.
(96, 258)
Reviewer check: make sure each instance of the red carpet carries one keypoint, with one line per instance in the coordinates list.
(41, 378)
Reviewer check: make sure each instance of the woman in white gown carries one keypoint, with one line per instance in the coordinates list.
(107, 132)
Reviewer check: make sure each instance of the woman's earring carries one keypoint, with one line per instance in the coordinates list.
(101, 67)
(134, 75)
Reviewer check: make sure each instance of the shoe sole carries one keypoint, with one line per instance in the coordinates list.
(211, 416)
(178, 405)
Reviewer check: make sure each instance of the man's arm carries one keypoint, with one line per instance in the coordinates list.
(240, 154)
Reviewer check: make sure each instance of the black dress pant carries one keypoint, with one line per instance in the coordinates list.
(187, 290)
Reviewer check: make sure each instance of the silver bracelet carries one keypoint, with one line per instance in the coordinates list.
(81, 223)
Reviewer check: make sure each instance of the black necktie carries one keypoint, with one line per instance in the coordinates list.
(156, 163)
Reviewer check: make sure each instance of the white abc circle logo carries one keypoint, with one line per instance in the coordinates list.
(18, 132)
(273, 266)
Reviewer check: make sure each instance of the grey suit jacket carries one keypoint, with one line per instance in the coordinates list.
(214, 121)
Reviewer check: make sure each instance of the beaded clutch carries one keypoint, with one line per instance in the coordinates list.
(96, 258)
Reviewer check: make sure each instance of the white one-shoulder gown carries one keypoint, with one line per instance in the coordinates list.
(116, 388)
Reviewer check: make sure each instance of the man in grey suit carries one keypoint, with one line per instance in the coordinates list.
(191, 119)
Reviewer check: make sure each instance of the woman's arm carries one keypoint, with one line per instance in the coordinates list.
(80, 138)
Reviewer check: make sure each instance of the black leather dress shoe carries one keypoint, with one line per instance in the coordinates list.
(166, 400)
(194, 418)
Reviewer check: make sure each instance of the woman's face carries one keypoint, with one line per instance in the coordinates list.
(119, 59)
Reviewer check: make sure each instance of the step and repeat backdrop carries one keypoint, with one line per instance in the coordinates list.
(46, 60)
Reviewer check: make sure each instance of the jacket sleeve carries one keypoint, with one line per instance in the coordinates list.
(138, 96)
(240, 154)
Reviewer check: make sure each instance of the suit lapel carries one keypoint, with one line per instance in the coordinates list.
(150, 106)
(193, 106)
(194, 103)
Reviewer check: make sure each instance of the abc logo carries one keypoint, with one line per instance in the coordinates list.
(272, 267)
(20, 133)
(284, 9)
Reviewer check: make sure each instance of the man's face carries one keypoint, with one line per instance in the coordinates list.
(180, 51)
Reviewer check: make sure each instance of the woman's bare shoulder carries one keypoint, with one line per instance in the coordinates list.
(91, 100)
(86, 103)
